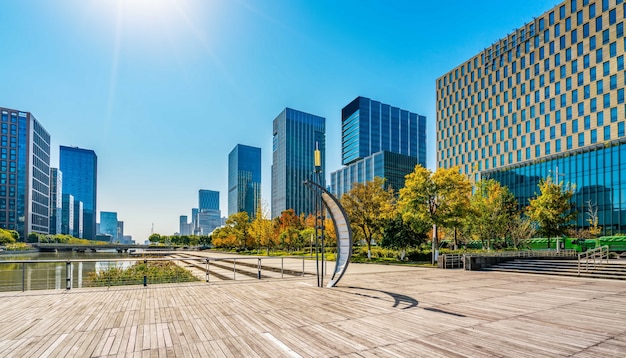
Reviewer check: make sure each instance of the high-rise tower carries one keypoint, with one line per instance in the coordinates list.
(244, 180)
(80, 179)
(378, 140)
(24, 174)
(296, 136)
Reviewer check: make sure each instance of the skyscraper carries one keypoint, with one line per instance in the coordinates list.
(24, 174)
(209, 216)
(378, 140)
(244, 180)
(184, 225)
(108, 224)
(80, 178)
(78, 219)
(545, 100)
(67, 215)
(296, 135)
(56, 200)
(208, 199)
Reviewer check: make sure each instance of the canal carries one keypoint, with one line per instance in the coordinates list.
(37, 274)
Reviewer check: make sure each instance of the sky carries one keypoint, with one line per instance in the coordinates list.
(163, 90)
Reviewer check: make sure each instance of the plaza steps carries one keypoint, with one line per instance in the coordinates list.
(614, 269)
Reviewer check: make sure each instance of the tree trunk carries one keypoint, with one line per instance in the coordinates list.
(435, 246)
(455, 242)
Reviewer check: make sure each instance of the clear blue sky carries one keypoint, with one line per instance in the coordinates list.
(162, 90)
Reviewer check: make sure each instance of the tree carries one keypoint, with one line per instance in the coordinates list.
(6, 237)
(438, 198)
(261, 230)
(551, 210)
(240, 223)
(592, 213)
(400, 235)
(492, 211)
(154, 238)
(367, 206)
(521, 228)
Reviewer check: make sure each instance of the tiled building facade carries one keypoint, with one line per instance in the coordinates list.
(546, 99)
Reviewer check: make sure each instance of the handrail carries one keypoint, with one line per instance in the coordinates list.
(592, 255)
(207, 265)
(527, 253)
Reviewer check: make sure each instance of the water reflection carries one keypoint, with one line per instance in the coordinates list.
(16, 276)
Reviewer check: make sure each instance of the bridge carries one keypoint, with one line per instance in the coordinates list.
(48, 247)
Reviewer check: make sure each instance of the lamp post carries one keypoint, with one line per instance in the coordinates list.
(319, 217)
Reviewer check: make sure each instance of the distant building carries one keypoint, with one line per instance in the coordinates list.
(108, 224)
(56, 200)
(67, 215)
(208, 218)
(24, 174)
(296, 135)
(208, 199)
(80, 178)
(77, 231)
(194, 220)
(244, 180)
(378, 140)
(120, 230)
(184, 226)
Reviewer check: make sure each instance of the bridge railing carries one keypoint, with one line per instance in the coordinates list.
(25, 275)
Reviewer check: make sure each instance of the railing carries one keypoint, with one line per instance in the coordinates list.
(27, 275)
(529, 253)
(451, 261)
(590, 256)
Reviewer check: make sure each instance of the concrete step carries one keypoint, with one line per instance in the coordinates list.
(611, 270)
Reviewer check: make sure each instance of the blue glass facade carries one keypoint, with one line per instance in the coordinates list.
(296, 135)
(369, 127)
(80, 179)
(244, 180)
(24, 173)
(108, 224)
(392, 167)
(208, 199)
(548, 96)
(596, 174)
(378, 140)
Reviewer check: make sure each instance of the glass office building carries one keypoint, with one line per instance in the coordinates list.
(547, 98)
(56, 200)
(296, 135)
(208, 199)
(378, 140)
(108, 224)
(244, 180)
(24, 174)
(80, 179)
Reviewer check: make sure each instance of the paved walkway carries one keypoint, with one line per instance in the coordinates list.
(377, 311)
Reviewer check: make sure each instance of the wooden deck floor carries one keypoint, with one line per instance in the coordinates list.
(405, 312)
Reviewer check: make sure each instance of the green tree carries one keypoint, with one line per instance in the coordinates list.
(521, 229)
(400, 235)
(367, 206)
(551, 210)
(493, 209)
(240, 224)
(6, 237)
(154, 238)
(438, 198)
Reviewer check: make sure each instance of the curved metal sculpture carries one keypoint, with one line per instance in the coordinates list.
(342, 230)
